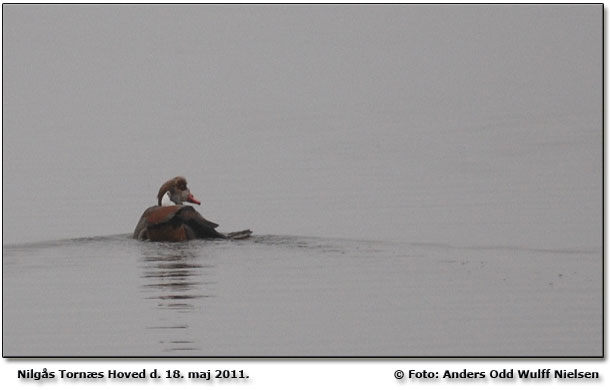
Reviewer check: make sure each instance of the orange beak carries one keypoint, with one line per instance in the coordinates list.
(192, 199)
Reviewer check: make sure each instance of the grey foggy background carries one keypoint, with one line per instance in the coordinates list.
(455, 124)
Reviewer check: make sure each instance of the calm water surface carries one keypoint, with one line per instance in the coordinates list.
(298, 296)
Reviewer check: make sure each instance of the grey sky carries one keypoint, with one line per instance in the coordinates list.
(336, 120)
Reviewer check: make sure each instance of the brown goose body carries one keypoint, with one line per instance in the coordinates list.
(178, 222)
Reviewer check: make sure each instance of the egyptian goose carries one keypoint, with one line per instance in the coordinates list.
(178, 222)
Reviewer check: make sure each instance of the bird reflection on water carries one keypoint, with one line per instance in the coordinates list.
(296, 296)
(174, 277)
